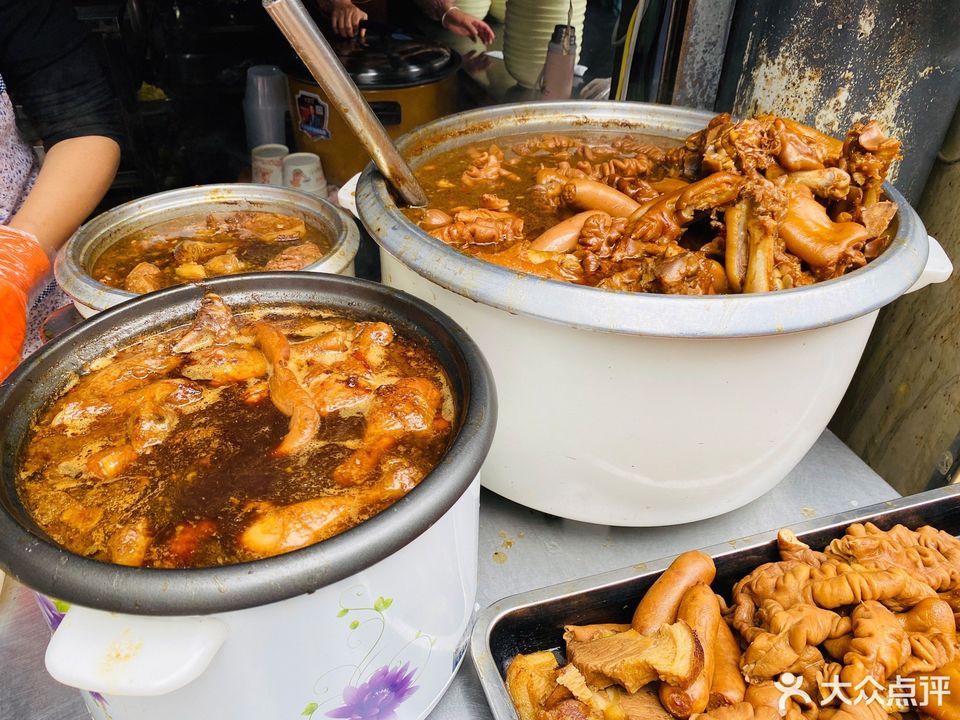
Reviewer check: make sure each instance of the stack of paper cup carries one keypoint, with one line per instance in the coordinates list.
(303, 171)
(267, 163)
(265, 105)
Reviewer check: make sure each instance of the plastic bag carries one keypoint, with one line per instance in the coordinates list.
(23, 265)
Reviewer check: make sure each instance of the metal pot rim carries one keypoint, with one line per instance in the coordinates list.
(27, 555)
(827, 303)
(89, 240)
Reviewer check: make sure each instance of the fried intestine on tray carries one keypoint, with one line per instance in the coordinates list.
(752, 206)
(861, 630)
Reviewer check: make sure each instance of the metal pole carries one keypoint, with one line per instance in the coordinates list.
(303, 35)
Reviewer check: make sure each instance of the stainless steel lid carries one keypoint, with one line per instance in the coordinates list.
(827, 303)
(390, 60)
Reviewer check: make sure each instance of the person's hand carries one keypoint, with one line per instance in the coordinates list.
(466, 25)
(476, 62)
(346, 18)
(23, 265)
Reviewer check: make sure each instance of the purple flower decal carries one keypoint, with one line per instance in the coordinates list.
(50, 613)
(379, 697)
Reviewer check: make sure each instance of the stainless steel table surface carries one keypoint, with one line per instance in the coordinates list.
(520, 549)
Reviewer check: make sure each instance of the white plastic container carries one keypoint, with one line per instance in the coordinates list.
(640, 409)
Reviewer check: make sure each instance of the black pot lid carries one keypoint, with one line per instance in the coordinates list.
(392, 59)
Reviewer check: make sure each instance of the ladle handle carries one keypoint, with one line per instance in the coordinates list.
(303, 35)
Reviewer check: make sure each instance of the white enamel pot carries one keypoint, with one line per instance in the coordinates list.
(640, 409)
(83, 249)
(377, 617)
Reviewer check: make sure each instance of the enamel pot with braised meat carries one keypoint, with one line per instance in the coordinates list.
(253, 497)
(673, 304)
(191, 234)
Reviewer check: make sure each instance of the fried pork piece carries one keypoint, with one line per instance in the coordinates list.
(660, 221)
(286, 391)
(279, 529)
(830, 248)
(752, 236)
(410, 406)
(803, 147)
(477, 227)
(632, 660)
(879, 645)
(262, 226)
(745, 147)
(932, 634)
(585, 633)
(145, 277)
(213, 325)
(530, 680)
(690, 273)
(225, 364)
(199, 251)
(224, 265)
(867, 155)
(190, 272)
(685, 161)
(295, 257)
(927, 554)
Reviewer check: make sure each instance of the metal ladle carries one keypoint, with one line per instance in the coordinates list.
(303, 35)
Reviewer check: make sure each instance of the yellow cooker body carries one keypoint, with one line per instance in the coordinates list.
(320, 129)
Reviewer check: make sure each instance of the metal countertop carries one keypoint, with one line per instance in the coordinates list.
(520, 549)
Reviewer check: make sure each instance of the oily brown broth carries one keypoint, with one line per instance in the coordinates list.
(435, 175)
(216, 466)
(155, 244)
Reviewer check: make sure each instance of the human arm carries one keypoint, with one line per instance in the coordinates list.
(50, 70)
(345, 17)
(456, 20)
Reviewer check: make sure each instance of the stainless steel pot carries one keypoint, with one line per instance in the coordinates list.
(82, 250)
(304, 628)
(641, 409)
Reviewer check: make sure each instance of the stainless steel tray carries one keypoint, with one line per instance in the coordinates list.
(534, 620)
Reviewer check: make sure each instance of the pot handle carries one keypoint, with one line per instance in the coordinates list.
(133, 655)
(937, 269)
(347, 196)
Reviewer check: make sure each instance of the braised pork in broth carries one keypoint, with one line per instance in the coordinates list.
(242, 436)
(753, 206)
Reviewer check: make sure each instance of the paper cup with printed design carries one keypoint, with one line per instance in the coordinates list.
(303, 171)
(267, 163)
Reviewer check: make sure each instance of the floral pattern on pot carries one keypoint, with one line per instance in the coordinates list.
(53, 611)
(376, 694)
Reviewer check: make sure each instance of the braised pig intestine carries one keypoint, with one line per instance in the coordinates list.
(842, 633)
(752, 206)
(237, 437)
